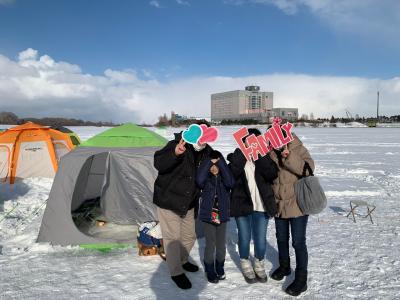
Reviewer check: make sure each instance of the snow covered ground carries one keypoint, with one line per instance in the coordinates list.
(347, 260)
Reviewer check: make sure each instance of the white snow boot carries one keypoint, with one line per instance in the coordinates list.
(259, 270)
(247, 271)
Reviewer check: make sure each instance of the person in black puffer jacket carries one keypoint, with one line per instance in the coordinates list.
(215, 180)
(252, 204)
(176, 195)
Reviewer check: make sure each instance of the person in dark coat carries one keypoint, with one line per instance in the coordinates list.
(176, 195)
(215, 181)
(252, 204)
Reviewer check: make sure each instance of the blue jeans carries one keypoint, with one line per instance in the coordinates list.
(253, 225)
(298, 228)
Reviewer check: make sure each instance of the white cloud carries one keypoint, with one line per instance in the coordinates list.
(28, 54)
(126, 76)
(375, 19)
(148, 74)
(39, 86)
(182, 2)
(155, 3)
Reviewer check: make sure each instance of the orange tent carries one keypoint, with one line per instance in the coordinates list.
(31, 150)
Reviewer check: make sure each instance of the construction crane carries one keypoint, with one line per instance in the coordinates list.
(349, 115)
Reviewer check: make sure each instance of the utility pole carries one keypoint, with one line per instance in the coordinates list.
(377, 107)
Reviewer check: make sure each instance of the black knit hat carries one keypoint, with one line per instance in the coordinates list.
(254, 131)
(215, 154)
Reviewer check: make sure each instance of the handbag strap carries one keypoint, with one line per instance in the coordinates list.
(307, 167)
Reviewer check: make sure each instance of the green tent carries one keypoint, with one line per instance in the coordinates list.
(72, 135)
(126, 136)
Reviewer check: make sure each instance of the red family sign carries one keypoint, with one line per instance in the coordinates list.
(254, 145)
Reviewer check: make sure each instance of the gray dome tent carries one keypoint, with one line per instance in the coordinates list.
(121, 178)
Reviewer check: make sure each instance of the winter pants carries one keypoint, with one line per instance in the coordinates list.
(178, 238)
(253, 225)
(298, 228)
(215, 242)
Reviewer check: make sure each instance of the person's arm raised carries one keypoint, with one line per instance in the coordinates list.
(202, 173)
(267, 168)
(295, 161)
(226, 174)
(237, 161)
(167, 158)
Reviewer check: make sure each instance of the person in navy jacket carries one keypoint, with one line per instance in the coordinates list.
(215, 180)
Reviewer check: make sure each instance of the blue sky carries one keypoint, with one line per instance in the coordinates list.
(203, 37)
(121, 55)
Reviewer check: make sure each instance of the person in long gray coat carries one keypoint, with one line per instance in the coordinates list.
(291, 160)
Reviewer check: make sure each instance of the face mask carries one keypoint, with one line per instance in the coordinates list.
(198, 147)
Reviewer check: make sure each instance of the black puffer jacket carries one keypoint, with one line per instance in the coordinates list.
(175, 187)
(265, 173)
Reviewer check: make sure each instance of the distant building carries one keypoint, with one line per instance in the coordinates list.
(250, 103)
(290, 114)
(242, 104)
(176, 118)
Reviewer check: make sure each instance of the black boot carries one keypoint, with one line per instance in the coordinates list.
(210, 273)
(189, 267)
(219, 268)
(282, 271)
(182, 281)
(299, 285)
